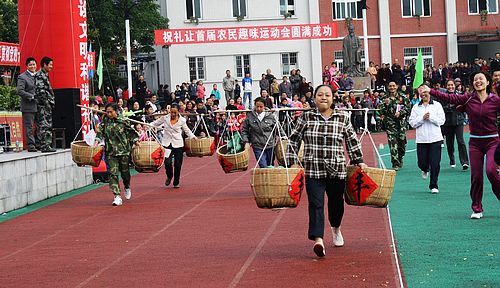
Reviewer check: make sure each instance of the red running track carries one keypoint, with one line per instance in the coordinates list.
(208, 233)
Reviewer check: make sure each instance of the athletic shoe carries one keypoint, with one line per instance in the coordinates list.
(476, 215)
(338, 240)
(177, 186)
(395, 168)
(424, 175)
(465, 166)
(434, 191)
(128, 193)
(167, 181)
(453, 165)
(442, 145)
(319, 248)
(117, 201)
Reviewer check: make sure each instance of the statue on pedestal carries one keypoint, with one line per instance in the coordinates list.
(351, 51)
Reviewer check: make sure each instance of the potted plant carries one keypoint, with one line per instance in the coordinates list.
(240, 18)
(287, 15)
(194, 20)
(484, 17)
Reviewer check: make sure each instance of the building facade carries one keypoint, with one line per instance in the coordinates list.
(447, 30)
(208, 62)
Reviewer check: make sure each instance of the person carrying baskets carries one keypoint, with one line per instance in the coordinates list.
(118, 135)
(173, 124)
(323, 131)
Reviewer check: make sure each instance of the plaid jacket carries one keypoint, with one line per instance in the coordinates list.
(323, 151)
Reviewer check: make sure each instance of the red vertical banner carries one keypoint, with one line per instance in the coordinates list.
(79, 16)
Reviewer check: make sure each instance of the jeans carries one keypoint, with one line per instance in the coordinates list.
(267, 158)
(316, 197)
(429, 157)
(247, 95)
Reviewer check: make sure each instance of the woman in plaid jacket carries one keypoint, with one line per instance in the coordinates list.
(323, 130)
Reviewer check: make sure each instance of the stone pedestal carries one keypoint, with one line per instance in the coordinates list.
(362, 83)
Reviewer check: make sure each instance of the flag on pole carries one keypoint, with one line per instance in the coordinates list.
(91, 71)
(419, 71)
(99, 69)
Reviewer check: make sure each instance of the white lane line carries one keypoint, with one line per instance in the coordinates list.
(395, 250)
(256, 251)
(107, 267)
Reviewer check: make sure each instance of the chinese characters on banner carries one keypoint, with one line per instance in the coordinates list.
(9, 54)
(81, 61)
(245, 34)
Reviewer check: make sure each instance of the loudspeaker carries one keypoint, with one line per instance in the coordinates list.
(4, 135)
(66, 114)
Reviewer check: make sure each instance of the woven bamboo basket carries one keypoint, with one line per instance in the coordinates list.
(233, 162)
(148, 156)
(271, 187)
(199, 147)
(279, 151)
(384, 178)
(84, 154)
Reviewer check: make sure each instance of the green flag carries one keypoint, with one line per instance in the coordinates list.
(419, 71)
(99, 69)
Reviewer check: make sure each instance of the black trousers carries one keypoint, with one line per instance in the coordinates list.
(177, 155)
(452, 132)
(28, 121)
(429, 157)
(316, 196)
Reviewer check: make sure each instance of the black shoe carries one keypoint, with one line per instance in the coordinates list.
(167, 182)
(177, 185)
(465, 166)
(49, 150)
(32, 149)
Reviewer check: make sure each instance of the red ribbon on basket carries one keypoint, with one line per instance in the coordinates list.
(212, 148)
(226, 165)
(157, 156)
(297, 186)
(360, 186)
(97, 157)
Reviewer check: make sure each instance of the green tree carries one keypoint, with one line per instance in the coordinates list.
(8, 21)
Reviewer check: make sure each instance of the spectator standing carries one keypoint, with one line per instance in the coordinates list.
(140, 90)
(228, 83)
(215, 91)
(26, 90)
(247, 90)
(495, 63)
(193, 90)
(264, 84)
(285, 87)
(294, 82)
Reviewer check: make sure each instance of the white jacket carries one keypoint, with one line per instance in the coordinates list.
(428, 131)
(172, 134)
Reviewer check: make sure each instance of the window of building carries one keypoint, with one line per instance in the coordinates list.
(196, 68)
(287, 6)
(288, 63)
(239, 8)
(193, 9)
(343, 9)
(476, 6)
(413, 8)
(339, 59)
(427, 55)
(242, 65)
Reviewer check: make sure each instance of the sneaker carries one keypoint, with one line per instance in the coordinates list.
(434, 191)
(424, 175)
(338, 240)
(465, 166)
(117, 201)
(442, 145)
(128, 193)
(476, 215)
(167, 182)
(177, 186)
(319, 248)
(395, 168)
(453, 165)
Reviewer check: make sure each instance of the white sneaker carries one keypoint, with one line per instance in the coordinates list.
(128, 193)
(475, 215)
(453, 166)
(434, 191)
(424, 175)
(338, 240)
(117, 201)
(465, 166)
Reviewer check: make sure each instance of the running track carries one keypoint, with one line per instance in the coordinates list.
(208, 233)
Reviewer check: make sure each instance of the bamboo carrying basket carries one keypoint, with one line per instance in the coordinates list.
(233, 162)
(84, 154)
(143, 158)
(271, 187)
(382, 195)
(199, 147)
(280, 155)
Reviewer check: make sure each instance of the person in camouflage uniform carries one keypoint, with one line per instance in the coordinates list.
(119, 136)
(45, 103)
(395, 108)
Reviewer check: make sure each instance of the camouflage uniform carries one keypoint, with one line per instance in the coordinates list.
(119, 137)
(45, 102)
(395, 127)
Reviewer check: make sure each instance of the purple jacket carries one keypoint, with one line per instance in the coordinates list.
(482, 116)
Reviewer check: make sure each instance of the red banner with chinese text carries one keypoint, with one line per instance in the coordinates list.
(9, 54)
(245, 34)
